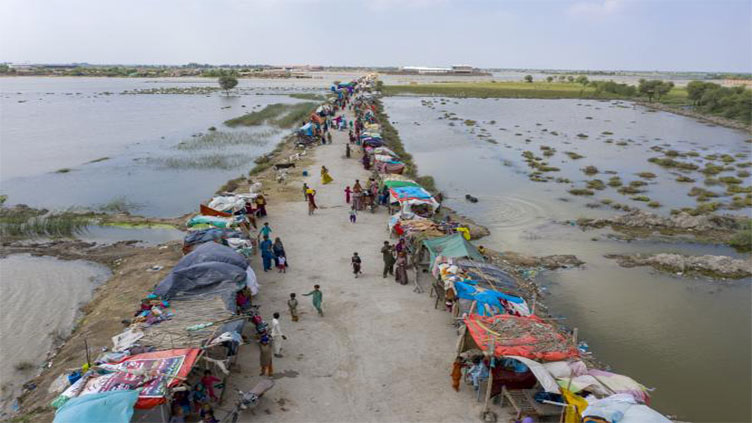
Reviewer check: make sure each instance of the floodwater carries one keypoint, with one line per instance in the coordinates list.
(106, 234)
(688, 338)
(81, 142)
(40, 300)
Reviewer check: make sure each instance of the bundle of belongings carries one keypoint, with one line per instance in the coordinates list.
(472, 298)
(236, 240)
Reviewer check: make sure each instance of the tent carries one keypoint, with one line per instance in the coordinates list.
(410, 195)
(489, 275)
(385, 151)
(111, 407)
(399, 183)
(211, 251)
(206, 279)
(451, 246)
(528, 337)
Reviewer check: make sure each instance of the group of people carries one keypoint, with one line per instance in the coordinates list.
(198, 400)
(272, 252)
(395, 261)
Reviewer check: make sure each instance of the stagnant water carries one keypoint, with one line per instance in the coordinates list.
(40, 300)
(70, 142)
(688, 338)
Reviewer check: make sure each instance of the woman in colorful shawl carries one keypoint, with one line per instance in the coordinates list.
(325, 177)
(311, 194)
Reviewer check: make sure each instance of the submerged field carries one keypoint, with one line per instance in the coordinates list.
(536, 166)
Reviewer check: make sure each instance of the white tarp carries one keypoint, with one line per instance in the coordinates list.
(623, 408)
(544, 377)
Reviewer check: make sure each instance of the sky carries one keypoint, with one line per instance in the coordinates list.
(666, 35)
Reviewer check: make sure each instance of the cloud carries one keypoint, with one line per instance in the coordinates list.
(595, 8)
(390, 4)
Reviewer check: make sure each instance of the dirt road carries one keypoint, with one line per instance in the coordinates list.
(381, 352)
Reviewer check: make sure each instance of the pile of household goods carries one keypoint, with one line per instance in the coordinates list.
(523, 359)
(175, 354)
(228, 219)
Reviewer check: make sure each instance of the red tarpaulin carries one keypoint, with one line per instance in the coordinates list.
(208, 211)
(527, 337)
(154, 372)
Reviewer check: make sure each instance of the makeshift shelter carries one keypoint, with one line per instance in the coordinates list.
(111, 407)
(411, 196)
(488, 302)
(306, 129)
(154, 373)
(528, 337)
(489, 275)
(212, 252)
(451, 246)
(207, 279)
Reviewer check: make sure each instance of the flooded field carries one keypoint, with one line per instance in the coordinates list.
(40, 302)
(84, 142)
(663, 330)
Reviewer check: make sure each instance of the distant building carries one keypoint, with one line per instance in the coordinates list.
(463, 69)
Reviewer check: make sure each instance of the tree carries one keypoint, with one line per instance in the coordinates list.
(227, 82)
(582, 80)
(570, 78)
(550, 79)
(528, 78)
(654, 88)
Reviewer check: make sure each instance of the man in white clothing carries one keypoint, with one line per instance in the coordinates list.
(277, 336)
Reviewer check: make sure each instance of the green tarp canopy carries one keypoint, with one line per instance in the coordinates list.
(397, 183)
(453, 246)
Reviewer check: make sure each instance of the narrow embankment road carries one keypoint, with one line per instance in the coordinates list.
(381, 352)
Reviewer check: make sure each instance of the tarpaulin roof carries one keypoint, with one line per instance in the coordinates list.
(153, 372)
(489, 275)
(451, 246)
(211, 234)
(211, 251)
(410, 193)
(110, 407)
(206, 279)
(484, 297)
(624, 409)
(397, 183)
(306, 129)
(527, 337)
(385, 150)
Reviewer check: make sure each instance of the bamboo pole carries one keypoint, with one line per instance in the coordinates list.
(489, 384)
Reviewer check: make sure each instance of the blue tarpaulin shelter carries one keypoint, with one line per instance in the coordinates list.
(110, 407)
(468, 291)
(306, 129)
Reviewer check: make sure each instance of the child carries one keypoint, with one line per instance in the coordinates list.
(353, 215)
(356, 264)
(348, 191)
(266, 229)
(292, 304)
(208, 381)
(281, 264)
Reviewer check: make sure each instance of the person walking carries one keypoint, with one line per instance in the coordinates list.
(277, 336)
(388, 255)
(318, 296)
(353, 215)
(356, 262)
(279, 255)
(265, 230)
(347, 150)
(348, 191)
(311, 201)
(325, 177)
(305, 191)
(328, 137)
(266, 253)
(265, 356)
(292, 305)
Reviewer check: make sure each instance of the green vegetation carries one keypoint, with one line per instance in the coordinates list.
(23, 225)
(683, 178)
(498, 90)
(641, 198)
(207, 161)
(227, 82)
(581, 191)
(101, 159)
(529, 79)
(596, 184)
(654, 204)
(646, 175)
(574, 156)
(614, 181)
(654, 88)
(221, 139)
(278, 114)
(119, 205)
(628, 190)
(730, 180)
(590, 170)
(671, 163)
(729, 102)
(308, 96)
